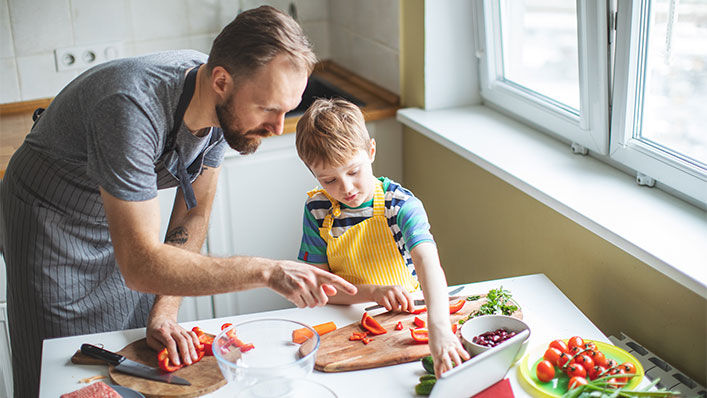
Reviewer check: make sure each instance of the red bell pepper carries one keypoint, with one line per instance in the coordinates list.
(369, 323)
(399, 326)
(358, 336)
(418, 311)
(366, 340)
(165, 363)
(454, 328)
(418, 322)
(456, 306)
(421, 336)
(205, 340)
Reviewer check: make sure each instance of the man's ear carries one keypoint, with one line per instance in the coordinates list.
(372, 152)
(221, 81)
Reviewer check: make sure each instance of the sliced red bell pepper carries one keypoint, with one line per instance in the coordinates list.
(366, 340)
(369, 323)
(419, 310)
(165, 363)
(456, 306)
(420, 335)
(246, 347)
(205, 340)
(358, 336)
(418, 322)
(454, 328)
(399, 326)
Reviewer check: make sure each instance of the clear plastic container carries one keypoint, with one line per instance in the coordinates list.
(287, 388)
(273, 356)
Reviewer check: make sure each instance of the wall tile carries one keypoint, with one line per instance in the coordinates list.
(39, 26)
(202, 42)
(318, 35)
(203, 16)
(151, 46)
(38, 76)
(98, 21)
(158, 19)
(228, 10)
(312, 10)
(9, 85)
(342, 12)
(7, 47)
(378, 20)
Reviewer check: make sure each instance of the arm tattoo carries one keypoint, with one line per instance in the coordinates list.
(178, 235)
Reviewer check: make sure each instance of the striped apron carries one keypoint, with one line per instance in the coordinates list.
(366, 253)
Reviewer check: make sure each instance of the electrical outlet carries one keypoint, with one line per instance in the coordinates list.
(84, 57)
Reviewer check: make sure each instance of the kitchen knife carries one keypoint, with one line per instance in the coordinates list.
(419, 301)
(125, 365)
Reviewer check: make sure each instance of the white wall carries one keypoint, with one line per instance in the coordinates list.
(30, 30)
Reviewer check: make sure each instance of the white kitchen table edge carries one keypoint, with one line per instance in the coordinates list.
(548, 312)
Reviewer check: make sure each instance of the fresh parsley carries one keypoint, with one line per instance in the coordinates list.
(498, 301)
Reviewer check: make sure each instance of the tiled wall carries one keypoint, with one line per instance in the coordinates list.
(30, 30)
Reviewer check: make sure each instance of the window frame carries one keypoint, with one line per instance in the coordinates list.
(588, 128)
(670, 170)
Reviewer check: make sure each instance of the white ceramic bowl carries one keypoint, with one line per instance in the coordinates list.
(274, 354)
(489, 323)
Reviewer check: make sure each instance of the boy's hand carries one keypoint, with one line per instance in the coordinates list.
(393, 297)
(306, 285)
(446, 349)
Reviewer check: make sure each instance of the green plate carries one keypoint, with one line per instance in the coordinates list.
(558, 386)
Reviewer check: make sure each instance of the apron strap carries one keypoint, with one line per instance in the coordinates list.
(184, 99)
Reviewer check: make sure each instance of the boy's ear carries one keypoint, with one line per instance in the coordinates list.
(372, 153)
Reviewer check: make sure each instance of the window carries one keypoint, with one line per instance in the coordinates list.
(546, 62)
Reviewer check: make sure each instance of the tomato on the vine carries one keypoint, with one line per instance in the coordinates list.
(628, 368)
(563, 359)
(598, 357)
(576, 382)
(560, 345)
(575, 370)
(617, 372)
(575, 350)
(545, 371)
(552, 355)
(595, 371)
(610, 363)
(589, 345)
(584, 360)
(575, 341)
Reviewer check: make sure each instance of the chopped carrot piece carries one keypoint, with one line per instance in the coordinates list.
(299, 336)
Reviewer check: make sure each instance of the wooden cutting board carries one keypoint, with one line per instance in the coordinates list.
(204, 375)
(337, 354)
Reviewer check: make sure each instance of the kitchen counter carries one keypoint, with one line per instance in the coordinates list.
(548, 312)
(16, 118)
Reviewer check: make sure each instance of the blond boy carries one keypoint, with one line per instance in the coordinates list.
(370, 231)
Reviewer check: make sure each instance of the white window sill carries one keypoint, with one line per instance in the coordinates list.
(662, 231)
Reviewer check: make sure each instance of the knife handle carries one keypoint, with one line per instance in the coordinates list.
(99, 353)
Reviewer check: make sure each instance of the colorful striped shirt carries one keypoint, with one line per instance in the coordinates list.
(405, 213)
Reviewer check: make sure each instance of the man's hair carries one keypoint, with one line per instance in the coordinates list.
(331, 132)
(257, 36)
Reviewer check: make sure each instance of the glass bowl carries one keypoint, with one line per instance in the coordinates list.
(289, 388)
(273, 355)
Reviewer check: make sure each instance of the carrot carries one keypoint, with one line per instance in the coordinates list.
(299, 336)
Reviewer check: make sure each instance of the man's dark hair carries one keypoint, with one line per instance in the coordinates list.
(257, 36)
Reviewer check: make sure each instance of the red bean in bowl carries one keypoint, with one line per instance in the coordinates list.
(493, 338)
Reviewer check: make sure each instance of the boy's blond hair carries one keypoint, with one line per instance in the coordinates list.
(331, 132)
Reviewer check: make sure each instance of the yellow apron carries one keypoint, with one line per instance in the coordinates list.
(366, 253)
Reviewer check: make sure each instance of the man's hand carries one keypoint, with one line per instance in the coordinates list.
(393, 297)
(181, 343)
(306, 285)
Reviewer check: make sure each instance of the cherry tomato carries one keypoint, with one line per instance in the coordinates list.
(588, 345)
(598, 358)
(619, 371)
(575, 370)
(610, 363)
(613, 383)
(575, 341)
(563, 359)
(595, 371)
(560, 345)
(576, 382)
(552, 355)
(628, 368)
(575, 350)
(584, 360)
(545, 371)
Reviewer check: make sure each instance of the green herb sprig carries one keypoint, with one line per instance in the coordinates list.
(498, 301)
(601, 388)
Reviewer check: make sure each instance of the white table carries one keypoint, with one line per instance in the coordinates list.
(548, 312)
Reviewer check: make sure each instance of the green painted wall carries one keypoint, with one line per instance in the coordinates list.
(488, 229)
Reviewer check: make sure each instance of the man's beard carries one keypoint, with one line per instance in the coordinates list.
(243, 142)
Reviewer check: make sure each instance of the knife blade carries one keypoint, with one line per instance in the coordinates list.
(128, 366)
(419, 301)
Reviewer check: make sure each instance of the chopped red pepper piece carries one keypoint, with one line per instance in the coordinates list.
(205, 340)
(246, 347)
(418, 322)
(420, 335)
(165, 363)
(454, 328)
(456, 306)
(358, 336)
(399, 326)
(366, 340)
(369, 323)
(420, 310)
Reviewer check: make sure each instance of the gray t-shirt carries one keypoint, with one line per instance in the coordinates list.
(115, 118)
